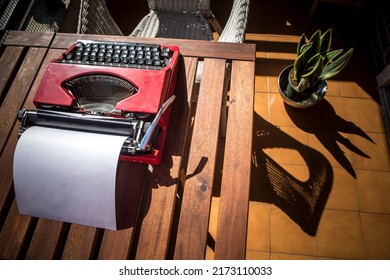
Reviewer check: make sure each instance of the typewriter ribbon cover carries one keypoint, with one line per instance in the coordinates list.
(66, 162)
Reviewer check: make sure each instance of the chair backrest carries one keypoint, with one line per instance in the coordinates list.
(234, 30)
(94, 18)
(180, 5)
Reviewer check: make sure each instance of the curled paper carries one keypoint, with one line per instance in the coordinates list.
(68, 176)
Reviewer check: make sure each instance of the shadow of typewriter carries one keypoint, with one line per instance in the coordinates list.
(169, 175)
(302, 201)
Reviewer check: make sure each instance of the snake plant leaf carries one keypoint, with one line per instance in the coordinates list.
(330, 56)
(312, 66)
(303, 84)
(333, 68)
(301, 43)
(305, 47)
(326, 40)
(302, 59)
(315, 39)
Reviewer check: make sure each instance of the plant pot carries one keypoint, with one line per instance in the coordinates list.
(297, 99)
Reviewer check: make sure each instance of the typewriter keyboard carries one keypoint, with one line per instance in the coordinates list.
(132, 55)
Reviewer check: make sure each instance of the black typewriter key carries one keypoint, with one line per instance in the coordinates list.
(85, 56)
(124, 58)
(140, 61)
(165, 52)
(149, 56)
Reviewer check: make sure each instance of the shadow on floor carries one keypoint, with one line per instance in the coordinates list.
(323, 122)
(302, 201)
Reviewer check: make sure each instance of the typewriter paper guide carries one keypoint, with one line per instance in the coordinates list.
(67, 176)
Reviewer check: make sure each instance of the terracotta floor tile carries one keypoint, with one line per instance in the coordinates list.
(288, 146)
(283, 115)
(353, 89)
(288, 237)
(356, 112)
(276, 256)
(332, 146)
(343, 192)
(261, 105)
(212, 228)
(340, 235)
(273, 84)
(326, 115)
(373, 190)
(258, 237)
(298, 172)
(334, 88)
(256, 255)
(376, 232)
(209, 253)
(261, 79)
(376, 150)
(214, 217)
(273, 71)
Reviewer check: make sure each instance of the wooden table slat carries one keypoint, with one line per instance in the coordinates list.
(195, 48)
(234, 200)
(80, 244)
(31, 39)
(41, 234)
(157, 221)
(6, 160)
(46, 240)
(13, 234)
(8, 63)
(194, 213)
(18, 91)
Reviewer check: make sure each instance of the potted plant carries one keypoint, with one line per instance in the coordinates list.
(304, 84)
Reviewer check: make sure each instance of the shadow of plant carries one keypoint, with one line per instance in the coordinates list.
(302, 201)
(323, 122)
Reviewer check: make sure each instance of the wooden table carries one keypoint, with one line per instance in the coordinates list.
(171, 201)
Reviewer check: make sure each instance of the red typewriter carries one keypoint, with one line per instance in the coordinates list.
(117, 88)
